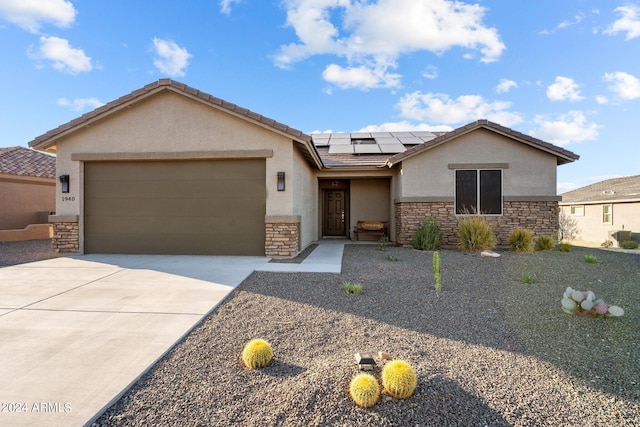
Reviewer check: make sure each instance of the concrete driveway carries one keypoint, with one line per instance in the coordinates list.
(77, 331)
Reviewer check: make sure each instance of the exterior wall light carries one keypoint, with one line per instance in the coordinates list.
(64, 181)
(280, 181)
(365, 361)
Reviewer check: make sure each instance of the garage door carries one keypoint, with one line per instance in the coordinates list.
(212, 207)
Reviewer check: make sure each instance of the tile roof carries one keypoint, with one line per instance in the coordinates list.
(49, 139)
(563, 156)
(338, 150)
(25, 162)
(610, 190)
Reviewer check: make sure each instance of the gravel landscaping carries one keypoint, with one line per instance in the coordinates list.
(488, 349)
(13, 253)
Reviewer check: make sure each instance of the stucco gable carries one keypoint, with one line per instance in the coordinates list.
(48, 141)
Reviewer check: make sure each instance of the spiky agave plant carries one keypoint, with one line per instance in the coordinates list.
(399, 379)
(257, 354)
(364, 390)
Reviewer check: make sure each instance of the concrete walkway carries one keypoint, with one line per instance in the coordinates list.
(325, 258)
(75, 332)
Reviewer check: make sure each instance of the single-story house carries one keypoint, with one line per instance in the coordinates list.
(606, 210)
(27, 187)
(170, 169)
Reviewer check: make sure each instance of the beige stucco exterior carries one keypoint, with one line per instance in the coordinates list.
(23, 198)
(592, 229)
(168, 125)
(526, 171)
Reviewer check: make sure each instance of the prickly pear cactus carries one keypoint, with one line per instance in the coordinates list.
(257, 354)
(399, 379)
(364, 390)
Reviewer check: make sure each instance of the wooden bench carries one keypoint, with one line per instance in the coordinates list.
(376, 228)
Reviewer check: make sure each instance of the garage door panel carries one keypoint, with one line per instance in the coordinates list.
(175, 189)
(180, 207)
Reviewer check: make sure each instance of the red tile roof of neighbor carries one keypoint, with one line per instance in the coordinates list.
(25, 162)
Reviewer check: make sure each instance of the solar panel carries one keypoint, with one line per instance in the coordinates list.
(412, 140)
(392, 148)
(367, 149)
(320, 142)
(341, 149)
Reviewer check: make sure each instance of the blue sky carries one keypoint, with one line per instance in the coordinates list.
(567, 72)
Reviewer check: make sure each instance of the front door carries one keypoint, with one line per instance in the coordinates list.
(334, 213)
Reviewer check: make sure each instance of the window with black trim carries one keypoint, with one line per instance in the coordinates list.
(479, 191)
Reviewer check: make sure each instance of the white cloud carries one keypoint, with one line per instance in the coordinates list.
(439, 108)
(576, 20)
(31, 14)
(431, 72)
(80, 104)
(374, 35)
(361, 77)
(65, 58)
(566, 129)
(171, 59)
(404, 126)
(506, 85)
(225, 6)
(629, 23)
(564, 89)
(625, 85)
(602, 100)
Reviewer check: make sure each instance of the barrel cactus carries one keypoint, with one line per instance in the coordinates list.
(364, 390)
(399, 379)
(257, 354)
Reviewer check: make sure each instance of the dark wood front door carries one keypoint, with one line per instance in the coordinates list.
(334, 213)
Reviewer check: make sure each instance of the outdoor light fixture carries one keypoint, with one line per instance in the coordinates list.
(64, 181)
(280, 181)
(365, 361)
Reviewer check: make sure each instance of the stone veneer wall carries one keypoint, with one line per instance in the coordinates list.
(282, 237)
(540, 217)
(66, 235)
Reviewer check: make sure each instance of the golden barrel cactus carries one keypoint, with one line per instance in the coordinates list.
(399, 379)
(364, 390)
(257, 354)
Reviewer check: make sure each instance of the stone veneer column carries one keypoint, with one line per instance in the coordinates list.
(539, 217)
(66, 233)
(282, 236)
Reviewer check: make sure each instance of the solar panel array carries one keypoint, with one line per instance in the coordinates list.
(370, 142)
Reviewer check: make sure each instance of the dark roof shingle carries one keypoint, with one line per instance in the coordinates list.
(25, 162)
(610, 190)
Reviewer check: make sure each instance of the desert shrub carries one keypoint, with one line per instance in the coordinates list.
(544, 243)
(590, 259)
(364, 390)
(521, 240)
(352, 288)
(382, 243)
(629, 244)
(565, 247)
(257, 354)
(567, 227)
(526, 279)
(428, 236)
(392, 257)
(399, 379)
(475, 234)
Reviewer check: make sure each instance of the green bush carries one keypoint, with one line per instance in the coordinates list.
(565, 247)
(475, 234)
(352, 288)
(428, 236)
(545, 243)
(590, 259)
(629, 244)
(526, 279)
(521, 240)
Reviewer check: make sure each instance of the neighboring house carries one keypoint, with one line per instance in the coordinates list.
(27, 187)
(606, 210)
(170, 169)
